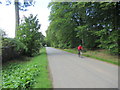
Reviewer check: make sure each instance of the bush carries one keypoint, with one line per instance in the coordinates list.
(29, 35)
(13, 42)
(11, 48)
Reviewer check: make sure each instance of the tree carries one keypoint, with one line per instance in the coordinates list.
(16, 15)
(94, 24)
(29, 35)
(62, 34)
(20, 6)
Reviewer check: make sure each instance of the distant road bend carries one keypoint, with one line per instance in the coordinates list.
(70, 71)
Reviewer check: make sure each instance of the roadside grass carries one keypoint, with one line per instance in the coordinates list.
(34, 69)
(43, 80)
(102, 55)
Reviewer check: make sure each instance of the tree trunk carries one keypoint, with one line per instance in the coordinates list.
(16, 16)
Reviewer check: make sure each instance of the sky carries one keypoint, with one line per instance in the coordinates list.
(7, 16)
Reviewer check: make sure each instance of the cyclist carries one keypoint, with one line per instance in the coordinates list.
(79, 49)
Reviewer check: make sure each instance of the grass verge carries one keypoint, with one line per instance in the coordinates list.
(42, 80)
(102, 55)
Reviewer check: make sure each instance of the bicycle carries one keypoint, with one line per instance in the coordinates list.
(79, 53)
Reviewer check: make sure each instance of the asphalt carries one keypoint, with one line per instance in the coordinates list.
(70, 71)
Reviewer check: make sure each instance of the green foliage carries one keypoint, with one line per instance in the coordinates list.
(61, 32)
(28, 74)
(2, 33)
(11, 42)
(29, 35)
(92, 24)
(10, 48)
(14, 76)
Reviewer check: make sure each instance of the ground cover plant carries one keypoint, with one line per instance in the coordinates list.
(23, 74)
(17, 77)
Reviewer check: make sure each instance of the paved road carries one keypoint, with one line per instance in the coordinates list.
(70, 71)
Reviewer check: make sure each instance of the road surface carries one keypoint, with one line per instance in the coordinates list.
(70, 71)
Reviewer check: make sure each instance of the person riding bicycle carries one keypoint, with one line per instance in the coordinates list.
(79, 49)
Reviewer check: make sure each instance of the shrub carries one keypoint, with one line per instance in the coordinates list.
(11, 48)
(13, 42)
(29, 35)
